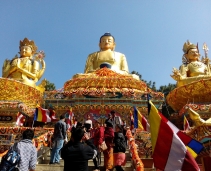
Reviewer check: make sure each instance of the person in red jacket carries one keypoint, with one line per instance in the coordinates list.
(108, 154)
(98, 138)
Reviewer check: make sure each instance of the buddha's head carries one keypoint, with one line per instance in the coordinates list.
(107, 42)
(191, 52)
(27, 48)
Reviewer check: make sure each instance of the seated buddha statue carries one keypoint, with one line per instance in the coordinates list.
(116, 60)
(107, 57)
(193, 68)
(26, 68)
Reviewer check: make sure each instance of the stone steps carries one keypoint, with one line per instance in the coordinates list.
(43, 164)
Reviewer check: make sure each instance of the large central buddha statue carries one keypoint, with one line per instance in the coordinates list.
(107, 57)
(105, 74)
(193, 68)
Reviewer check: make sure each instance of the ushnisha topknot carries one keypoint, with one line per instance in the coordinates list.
(107, 34)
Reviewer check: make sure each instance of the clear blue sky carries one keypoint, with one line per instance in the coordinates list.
(151, 33)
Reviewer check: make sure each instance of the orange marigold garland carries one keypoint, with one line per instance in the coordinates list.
(139, 166)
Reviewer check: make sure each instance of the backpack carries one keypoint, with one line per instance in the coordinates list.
(11, 159)
(121, 144)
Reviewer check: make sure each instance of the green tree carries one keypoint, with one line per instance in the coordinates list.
(135, 72)
(49, 86)
(149, 84)
(166, 89)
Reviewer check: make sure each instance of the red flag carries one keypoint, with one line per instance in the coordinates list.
(69, 119)
(20, 119)
(169, 151)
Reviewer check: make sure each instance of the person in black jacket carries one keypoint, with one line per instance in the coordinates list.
(76, 153)
(119, 148)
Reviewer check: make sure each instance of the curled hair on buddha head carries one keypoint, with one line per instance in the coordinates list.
(107, 34)
(28, 134)
(77, 134)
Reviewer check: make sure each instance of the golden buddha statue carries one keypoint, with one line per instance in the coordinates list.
(26, 68)
(193, 68)
(107, 55)
(106, 75)
(108, 58)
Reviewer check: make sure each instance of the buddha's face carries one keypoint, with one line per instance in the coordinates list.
(192, 55)
(107, 42)
(25, 51)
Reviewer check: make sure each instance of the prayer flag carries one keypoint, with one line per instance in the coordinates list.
(69, 118)
(42, 115)
(140, 121)
(169, 151)
(20, 119)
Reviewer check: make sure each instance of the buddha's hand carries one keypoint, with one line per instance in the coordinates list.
(42, 62)
(18, 65)
(176, 74)
(18, 68)
(206, 60)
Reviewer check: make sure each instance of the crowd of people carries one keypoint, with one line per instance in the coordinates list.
(86, 144)
(88, 141)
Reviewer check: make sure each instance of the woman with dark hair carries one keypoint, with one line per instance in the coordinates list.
(119, 148)
(108, 154)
